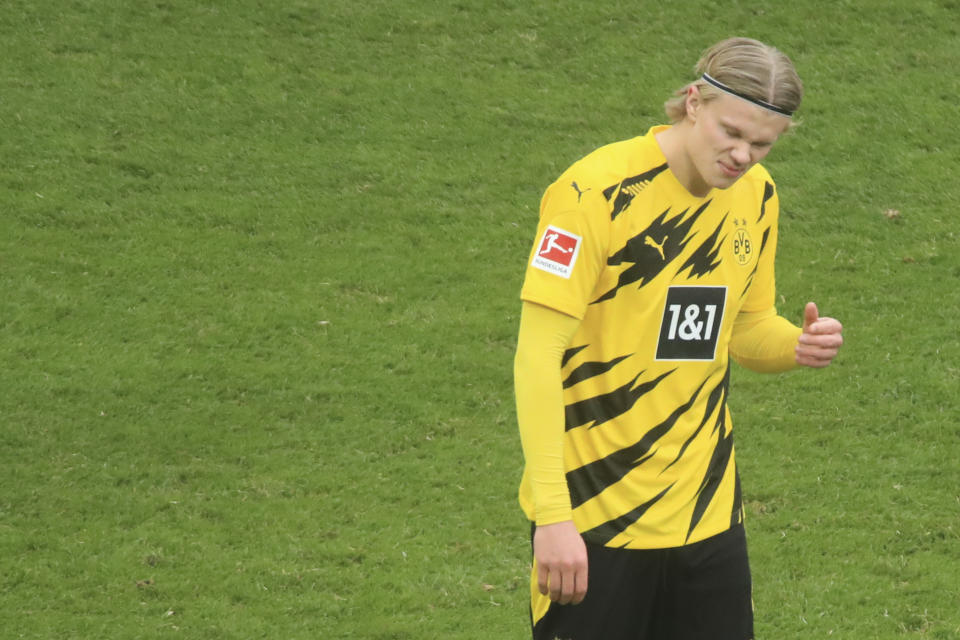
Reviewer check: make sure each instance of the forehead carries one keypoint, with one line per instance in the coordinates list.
(750, 120)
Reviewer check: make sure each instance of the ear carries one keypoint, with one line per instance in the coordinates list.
(693, 102)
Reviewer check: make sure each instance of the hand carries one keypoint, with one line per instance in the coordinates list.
(820, 340)
(561, 557)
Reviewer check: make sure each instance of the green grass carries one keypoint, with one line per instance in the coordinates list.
(260, 266)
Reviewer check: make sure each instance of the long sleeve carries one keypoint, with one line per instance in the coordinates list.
(764, 342)
(544, 336)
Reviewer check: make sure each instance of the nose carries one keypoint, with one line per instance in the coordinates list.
(741, 154)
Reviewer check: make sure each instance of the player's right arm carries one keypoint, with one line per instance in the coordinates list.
(559, 551)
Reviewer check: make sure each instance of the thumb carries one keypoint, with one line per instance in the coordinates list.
(810, 315)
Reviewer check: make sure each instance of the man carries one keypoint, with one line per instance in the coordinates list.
(654, 263)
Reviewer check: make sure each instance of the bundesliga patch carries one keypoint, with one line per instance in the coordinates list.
(557, 251)
(692, 317)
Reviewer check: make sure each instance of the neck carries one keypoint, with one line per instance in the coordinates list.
(672, 144)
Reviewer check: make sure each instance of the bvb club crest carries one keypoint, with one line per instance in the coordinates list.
(742, 243)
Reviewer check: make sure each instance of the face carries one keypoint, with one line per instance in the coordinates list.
(727, 136)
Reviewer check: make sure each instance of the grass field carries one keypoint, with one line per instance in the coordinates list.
(260, 266)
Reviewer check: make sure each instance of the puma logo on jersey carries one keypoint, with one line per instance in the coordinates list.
(579, 192)
(650, 242)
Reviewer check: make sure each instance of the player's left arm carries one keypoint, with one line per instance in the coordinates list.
(765, 342)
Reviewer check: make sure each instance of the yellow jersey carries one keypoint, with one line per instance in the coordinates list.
(657, 277)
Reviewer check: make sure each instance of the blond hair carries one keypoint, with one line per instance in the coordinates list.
(748, 67)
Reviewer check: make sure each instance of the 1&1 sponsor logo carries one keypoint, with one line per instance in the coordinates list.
(692, 317)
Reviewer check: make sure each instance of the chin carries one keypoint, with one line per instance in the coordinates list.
(725, 183)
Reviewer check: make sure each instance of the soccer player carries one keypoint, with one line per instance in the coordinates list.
(653, 266)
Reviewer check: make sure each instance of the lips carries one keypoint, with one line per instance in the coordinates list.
(729, 171)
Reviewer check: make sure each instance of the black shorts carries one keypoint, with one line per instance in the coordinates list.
(702, 590)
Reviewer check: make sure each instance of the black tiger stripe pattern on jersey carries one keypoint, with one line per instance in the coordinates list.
(672, 234)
